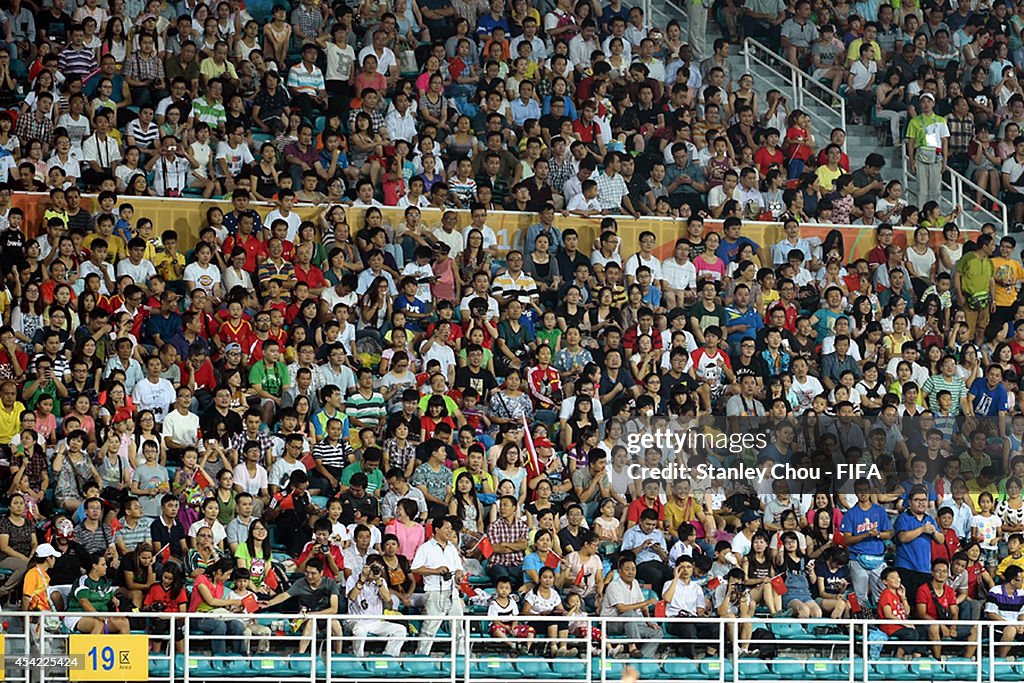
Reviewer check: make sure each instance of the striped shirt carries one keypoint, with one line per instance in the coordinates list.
(334, 456)
(133, 537)
(955, 386)
(305, 82)
(81, 61)
(524, 287)
(212, 114)
(368, 410)
(144, 138)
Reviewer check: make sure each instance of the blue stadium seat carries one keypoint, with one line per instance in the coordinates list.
(893, 669)
(493, 667)
(612, 668)
(961, 668)
(446, 666)
(678, 670)
(787, 668)
(269, 666)
(570, 668)
(929, 668)
(200, 668)
(712, 668)
(300, 666)
(231, 666)
(385, 666)
(789, 631)
(534, 668)
(347, 667)
(754, 669)
(421, 667)
(824, 669)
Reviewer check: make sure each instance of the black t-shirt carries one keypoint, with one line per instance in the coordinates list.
(367, 506)
(314, 599)
(482, 380)
(553, 124)
(669, 383)
(217, 426)
(755, 368)
(69, 566)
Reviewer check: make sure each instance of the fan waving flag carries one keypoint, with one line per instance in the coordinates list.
(552, 560)
(532, 467)
(202, 479)
(164, 554)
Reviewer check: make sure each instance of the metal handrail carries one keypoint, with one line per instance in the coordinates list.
(955, 185)
(799, 82)
(473, 657)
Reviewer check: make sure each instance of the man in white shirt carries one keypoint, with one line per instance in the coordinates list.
(387, 64)
(439, 562)
(436, 348)
(154, 393)
(400, 122)
(680, 276)
(624, 598)
(181, 426)
(644, 257)
(137, 267)
(100, 152)
(367, 594)
(686, 598)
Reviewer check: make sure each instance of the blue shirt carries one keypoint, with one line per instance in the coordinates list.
(916, 555)
(988, 402)
(635, 537)
(858, 521)
(727, 250)
(522, 111)
(750, 317)
(486, 24)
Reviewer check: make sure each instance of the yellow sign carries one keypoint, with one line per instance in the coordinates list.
(109, 657)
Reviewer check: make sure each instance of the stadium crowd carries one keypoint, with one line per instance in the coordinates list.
(292, 416)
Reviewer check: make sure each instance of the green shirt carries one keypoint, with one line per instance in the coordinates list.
(272, 379)
(375, 479)
(921, 125)
(97, 593)
(976, 273)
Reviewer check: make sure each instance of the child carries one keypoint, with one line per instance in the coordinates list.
(585, 203)
(476, 417)
(1015, 547)
(420, 270)
(463, 185)
(504, 607)
(394, 182)
(579, 626)
(987, 530)
(549, 332)
(607, 528)
(243, 591)
(416, 310)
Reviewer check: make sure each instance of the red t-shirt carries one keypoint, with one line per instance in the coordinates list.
(242, 333)
(924, 597)
(764, 159)
(899, 614)
(314, 277)
(637, 507)
(312, 547)
(254, 248)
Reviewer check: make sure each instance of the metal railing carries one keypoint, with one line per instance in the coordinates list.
(826, 107)
(960, 191)
(821, 649)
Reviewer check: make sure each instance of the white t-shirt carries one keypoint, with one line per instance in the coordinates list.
(139, 273)
(805, 392)
(237, 157)
(292, 219)
(156, 397)
(250, 484)
(679, 276)
(205, 278)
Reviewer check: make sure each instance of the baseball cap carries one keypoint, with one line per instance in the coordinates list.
(543, 442)
(44, 550)
(928, 95)
(233, 346)
(749, 516)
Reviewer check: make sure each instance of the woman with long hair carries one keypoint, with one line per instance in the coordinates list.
(94, 592)
(544, 600)
(256, 555)
(209, 594)
(168, 596)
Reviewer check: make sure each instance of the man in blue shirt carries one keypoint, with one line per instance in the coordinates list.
(486, 24)
(525, 107)
(648, 543)
(915, 529)
(865, 527)
(742, 321)
(989, 396)
(733, 241)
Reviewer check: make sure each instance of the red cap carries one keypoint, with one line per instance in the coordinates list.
(543, 442)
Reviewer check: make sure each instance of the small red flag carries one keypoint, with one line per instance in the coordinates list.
(714, 583)
(250, 603)
(486, 549)
(837, 538)
(660, 608)
(309, 462)
(580, 577)
(202, 478)
(552, 560)
(165, 553)
(779, 584)
(270, 579)
(532, 466)
(466, 589)
(854, 603)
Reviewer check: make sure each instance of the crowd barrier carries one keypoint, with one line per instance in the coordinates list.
(187, 216)
(823, 650)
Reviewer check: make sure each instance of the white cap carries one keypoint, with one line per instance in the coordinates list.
(45, 550)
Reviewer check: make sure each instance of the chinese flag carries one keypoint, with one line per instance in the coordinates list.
(837, 538)
(309, 462)
(714, 583)
(854, 603)
(580, 577)
(466, 589)
(552, 560)
(779, 584)
(165, 553)
(659, 609)
(250, 603)
(270, 579)
(202, 478)
(532, 467)
(486, 549)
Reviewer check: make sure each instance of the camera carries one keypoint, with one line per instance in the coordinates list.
(325, 549)
(375, 570)
(446, 576)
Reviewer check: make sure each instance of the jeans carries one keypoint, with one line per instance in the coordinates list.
(218, 628)
(513, 574)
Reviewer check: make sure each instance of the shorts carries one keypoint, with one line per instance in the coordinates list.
(500, 630)
(72, 622)
(593, 632)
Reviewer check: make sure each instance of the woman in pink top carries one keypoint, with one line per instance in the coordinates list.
(708, 265)
(404, 526)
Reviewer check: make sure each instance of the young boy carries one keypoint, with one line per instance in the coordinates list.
(123, 226)
(502, 612)
(586, 203)
(416, 310)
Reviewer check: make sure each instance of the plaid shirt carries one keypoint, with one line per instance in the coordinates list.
(610, 190)
(34, 469)
(501, 531)
(141, 69)
(31, 128)
(961, 131)
(308, 21)
(560, 171)
(376, 119)
(265, 440)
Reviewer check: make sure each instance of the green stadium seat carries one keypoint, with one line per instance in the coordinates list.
(421, 667)
(534, 668)
(347, 667)
(893, 669)
(569, 668)
(754, 669)
(930, 669)
(823, 669)
(493, 667)
(712, 668)
(789, 631)
(787, 668)
(269, 666)
(680, 670)
(302, 667)
(385, 666)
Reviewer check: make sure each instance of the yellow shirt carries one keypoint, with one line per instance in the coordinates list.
(678, 512)
(116, 248)
(1007, 273)
(827, 177)
(211, 69)
(853, 54)
(10, 422)
(1007, 562)
(164, 265)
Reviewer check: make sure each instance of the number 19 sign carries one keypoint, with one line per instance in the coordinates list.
(109, 657)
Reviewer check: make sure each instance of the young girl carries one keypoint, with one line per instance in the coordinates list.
(986, 529)
(437, 412)
(579, 627)
(544, 600)
(504, 607)
(607, 528)
(799, 575)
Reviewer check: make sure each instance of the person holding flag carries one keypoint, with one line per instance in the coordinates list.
(586, 571)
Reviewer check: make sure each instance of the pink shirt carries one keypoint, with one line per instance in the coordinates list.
(410, 538)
